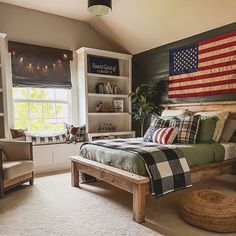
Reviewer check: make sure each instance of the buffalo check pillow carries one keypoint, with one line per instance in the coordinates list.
(188, 129)
(165, 135)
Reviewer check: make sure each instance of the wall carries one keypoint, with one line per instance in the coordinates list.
(29, 26)
(153, 65)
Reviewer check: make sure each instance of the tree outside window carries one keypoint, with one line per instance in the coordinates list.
(41, 109)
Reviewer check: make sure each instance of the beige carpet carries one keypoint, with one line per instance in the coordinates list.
(52, 207)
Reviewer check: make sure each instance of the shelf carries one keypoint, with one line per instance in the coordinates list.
(108, 76)
(108, 113)
(1, 114)
(107, 95)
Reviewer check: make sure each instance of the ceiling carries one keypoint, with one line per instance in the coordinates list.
(139, 25)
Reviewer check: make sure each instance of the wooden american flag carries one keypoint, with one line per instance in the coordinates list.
(203, 69)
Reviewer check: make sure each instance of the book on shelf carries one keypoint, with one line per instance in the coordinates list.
(107, 88)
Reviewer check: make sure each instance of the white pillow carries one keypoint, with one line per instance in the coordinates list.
(174, 112)
(222, 116)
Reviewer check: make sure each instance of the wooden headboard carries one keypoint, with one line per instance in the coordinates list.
(205, 106)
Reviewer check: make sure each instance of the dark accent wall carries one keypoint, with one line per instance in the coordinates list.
(153, 65)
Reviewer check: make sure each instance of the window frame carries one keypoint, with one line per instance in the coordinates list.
(42, 101)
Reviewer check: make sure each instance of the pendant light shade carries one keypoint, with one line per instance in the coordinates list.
(100, 7)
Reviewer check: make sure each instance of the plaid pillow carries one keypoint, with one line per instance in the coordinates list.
(81, 133)
(174, 123)
(158, 122)
(188, 129)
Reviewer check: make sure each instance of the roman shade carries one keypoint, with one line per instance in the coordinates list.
(38, 66)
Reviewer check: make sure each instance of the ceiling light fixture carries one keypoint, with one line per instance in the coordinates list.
(100, 7)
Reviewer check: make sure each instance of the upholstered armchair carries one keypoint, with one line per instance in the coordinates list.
(16, 164)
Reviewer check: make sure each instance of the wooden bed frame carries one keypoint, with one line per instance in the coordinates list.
(139, 185)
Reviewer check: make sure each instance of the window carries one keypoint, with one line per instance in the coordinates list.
(41, 109)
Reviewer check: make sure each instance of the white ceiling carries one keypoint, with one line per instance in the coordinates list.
(139, 25)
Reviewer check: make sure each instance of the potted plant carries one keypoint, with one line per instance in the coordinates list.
(142, 103)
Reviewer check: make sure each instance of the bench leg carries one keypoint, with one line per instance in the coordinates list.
(74, 174)
(31, 181)
(139, 199)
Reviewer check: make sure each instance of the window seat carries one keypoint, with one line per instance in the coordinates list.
(53, 157)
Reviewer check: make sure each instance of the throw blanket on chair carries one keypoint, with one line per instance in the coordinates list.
(166, 165)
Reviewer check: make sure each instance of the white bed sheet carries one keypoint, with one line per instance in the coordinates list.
(230, 150)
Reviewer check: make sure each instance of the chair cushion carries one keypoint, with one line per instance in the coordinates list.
(12, 169)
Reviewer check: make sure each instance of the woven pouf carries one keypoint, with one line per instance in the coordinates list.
(209, 209)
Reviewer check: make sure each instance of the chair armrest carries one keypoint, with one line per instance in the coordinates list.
(17, 150)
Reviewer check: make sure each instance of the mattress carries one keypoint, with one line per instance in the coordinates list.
(195, 154)
(230, 150)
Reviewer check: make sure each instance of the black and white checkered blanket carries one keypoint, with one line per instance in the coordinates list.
(166, 165)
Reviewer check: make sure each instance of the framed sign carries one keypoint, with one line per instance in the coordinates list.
(103, 65)
(119, 105)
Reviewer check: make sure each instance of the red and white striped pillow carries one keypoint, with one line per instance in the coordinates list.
(165, 135)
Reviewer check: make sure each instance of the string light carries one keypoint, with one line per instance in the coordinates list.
(30, 65)
(65, 56)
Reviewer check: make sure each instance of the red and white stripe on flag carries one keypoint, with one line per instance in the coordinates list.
(216, 70)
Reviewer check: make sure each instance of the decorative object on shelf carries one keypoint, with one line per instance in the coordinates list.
(106, 127)
(107, 88)
(100, 7)
(103, 65)
(142, 103)
(119, 105)
(104, 108)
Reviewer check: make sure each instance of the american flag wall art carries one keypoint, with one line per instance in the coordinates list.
(205, 68)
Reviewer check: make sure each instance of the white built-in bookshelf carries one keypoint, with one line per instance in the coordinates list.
(4, 64)
(89, 97)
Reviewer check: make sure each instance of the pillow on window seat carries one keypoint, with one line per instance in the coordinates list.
(38, 139)
(18, 134)
(76, 134)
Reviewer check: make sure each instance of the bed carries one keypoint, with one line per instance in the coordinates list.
(138, 183)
